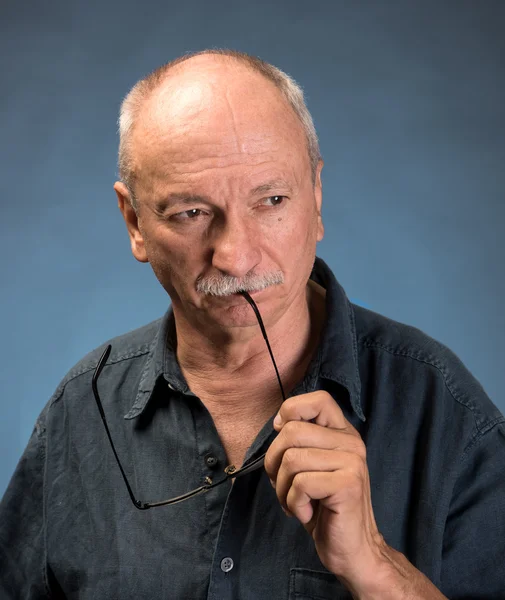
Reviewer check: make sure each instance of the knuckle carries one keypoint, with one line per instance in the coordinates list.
(355, 489)
(356, 447)
(291, 458)
(287, 406)
(298, 482)
(356, 464)
(361, 449)
(291, 429)
(323, 396)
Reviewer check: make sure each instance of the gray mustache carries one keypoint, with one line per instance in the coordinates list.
(224, 285)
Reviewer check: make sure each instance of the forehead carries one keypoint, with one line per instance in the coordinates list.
(225, 118)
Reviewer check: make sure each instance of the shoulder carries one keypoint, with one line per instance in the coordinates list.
(424, 363)
(128, 348)
(374, 330)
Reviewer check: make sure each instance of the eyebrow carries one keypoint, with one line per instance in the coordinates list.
(274, 184)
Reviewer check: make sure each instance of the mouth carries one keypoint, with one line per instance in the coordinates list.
(237, 295)
(251, 293)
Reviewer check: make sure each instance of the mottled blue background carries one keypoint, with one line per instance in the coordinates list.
(409, 101)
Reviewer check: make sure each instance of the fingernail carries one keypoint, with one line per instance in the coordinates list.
(278, 420)
(272, 484)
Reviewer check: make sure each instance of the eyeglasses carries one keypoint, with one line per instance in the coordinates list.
(257, 463)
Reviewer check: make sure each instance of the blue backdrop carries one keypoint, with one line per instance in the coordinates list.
(409, 101)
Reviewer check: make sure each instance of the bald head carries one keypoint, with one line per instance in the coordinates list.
(222, 91)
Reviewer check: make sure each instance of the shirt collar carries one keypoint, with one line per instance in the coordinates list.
(337, 348)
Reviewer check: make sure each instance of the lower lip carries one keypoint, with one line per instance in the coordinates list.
(255, 293)
(238, 295)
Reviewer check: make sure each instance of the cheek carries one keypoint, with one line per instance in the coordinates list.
(300, 247)
(292, 249)
(301, 233)
(176, 262)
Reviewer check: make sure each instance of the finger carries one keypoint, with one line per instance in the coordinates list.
(318, 407)
(341, 486)
(296, 434)
(302, 460)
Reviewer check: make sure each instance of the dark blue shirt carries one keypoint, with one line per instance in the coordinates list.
(435, 452)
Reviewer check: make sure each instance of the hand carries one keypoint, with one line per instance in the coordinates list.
(317, 465)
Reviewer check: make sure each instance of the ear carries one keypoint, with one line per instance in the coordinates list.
(318, 193)
(131, 220)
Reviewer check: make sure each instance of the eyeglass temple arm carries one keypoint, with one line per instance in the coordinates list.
(98, 370)
(262, 327)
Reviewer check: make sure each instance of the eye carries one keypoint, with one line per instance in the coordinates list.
(274, 200)
(191, 214)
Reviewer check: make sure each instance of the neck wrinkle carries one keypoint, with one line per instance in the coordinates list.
(207, 365)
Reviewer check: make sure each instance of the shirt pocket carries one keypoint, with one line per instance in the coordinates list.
(305, 584)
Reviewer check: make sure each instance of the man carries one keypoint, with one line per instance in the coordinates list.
(383, 474)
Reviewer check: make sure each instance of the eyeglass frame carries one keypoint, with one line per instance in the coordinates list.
(257, 463)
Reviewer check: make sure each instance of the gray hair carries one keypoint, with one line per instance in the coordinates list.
(224, 285)
(133, 101)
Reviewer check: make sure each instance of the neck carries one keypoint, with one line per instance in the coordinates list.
(222, 366)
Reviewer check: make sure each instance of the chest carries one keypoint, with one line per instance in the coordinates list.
(95, 536)
(238, 421)
(237, 435)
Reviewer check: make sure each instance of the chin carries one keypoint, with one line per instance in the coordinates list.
(235, 311)
(235, 320)
(239, 314)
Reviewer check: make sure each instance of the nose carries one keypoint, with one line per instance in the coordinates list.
(235, 249)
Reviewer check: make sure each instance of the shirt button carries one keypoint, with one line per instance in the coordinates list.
(211, 461)
(226, 564)
(171, 387)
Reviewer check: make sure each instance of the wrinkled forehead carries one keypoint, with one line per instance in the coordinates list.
(216, 116)
(208, 87)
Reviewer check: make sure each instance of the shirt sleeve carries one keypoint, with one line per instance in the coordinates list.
(22, 538)
(473, 565)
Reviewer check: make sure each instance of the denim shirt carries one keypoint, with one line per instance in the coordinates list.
(435, 452)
